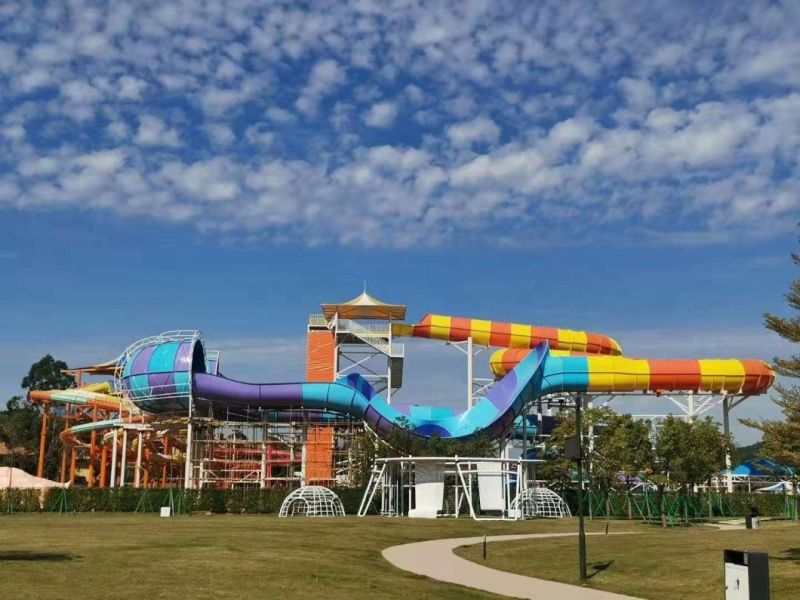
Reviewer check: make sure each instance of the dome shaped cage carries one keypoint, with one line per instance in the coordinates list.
(541, 502)
(312, 501)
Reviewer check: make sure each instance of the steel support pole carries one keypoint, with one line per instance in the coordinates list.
(114, 452)
(581, 529)
(123, 458)
(137, 471)
(469, 372)
(42, 441)
(726, 428)
(187, 472)
(92, 449)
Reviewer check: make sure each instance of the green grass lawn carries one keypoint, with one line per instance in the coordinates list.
(118, 555)
(655, 564)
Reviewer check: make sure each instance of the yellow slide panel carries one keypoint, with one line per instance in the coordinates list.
(481, 332)
(572, 340)
(440, 327)
(520, 336)
(617, 374)
(721, 374)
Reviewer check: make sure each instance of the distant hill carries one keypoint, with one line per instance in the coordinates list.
(745, 453)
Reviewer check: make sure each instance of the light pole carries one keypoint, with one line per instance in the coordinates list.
(579, 460)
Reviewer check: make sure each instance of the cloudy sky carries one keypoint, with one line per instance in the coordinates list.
(626, 168)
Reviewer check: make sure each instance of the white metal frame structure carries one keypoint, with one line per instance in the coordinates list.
(395, 478)
(541, 502)
(367, 349)
(312, 501)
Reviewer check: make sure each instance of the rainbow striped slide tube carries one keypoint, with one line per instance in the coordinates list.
(621, 374)
(507, 335)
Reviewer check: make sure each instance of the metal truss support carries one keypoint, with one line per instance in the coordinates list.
(475, 387)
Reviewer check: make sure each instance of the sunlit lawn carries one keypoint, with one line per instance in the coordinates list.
(142, 556)
(672, 563)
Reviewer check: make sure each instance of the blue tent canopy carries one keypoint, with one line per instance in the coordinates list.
(761, 467)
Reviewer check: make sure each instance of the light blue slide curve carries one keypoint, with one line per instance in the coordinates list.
(353, 396)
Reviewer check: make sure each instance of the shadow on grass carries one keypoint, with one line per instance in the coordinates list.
(792, 554)
(25, 556)
(598, 567)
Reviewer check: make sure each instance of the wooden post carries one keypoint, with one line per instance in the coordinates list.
(42, 440)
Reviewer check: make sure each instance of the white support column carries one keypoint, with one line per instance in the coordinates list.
(187, 471)
(114, 449)
(726, 428)
(690, 406)
(263, 466)
(304, 460)
(137, 472)
(124, 458)
(470, 358)
(389, 382)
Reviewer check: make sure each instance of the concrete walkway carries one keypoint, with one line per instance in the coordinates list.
(436, 559)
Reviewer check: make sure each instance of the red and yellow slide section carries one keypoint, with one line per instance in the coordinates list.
(507, 335)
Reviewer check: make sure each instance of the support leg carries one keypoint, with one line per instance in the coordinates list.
(42, 441)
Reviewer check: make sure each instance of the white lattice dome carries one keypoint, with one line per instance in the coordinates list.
(312, 501)
(541, 502)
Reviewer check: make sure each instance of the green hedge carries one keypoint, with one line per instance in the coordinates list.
(234, 501)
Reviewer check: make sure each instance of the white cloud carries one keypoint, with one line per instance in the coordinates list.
(325, 76)
(279, 115)
(381, 114)
(547, 119)
(154, 132)
(130, 88)
(477, 130)
(221, 135)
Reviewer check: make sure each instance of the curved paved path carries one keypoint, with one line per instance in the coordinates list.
(436, 559)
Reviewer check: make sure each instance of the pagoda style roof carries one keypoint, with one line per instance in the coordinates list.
(365, 306)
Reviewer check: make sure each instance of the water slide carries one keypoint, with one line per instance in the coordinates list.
(506, 335)
(161, 376)
(537, 374)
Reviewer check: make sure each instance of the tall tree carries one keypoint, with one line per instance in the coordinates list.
(621, 450)
(687, 454)
(18, 432)
(20, 422)
(47, 374)
(781, 438)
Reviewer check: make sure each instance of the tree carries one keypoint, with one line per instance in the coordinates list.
(16, 424)
(46, 374)
(21, 421)
(781, 438)
(621, 450)
(687, 454)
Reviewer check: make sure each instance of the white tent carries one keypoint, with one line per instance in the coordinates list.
(17, 478)
(778, 488)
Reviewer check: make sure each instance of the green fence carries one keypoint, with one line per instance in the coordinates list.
(679, 507)
(235, 501)
(643, 506)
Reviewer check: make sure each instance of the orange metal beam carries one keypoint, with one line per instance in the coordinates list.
(42, 441)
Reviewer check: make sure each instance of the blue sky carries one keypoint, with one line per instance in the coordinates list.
(631, 171)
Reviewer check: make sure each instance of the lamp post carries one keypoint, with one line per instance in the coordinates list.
(574, 449)
(581, 530)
